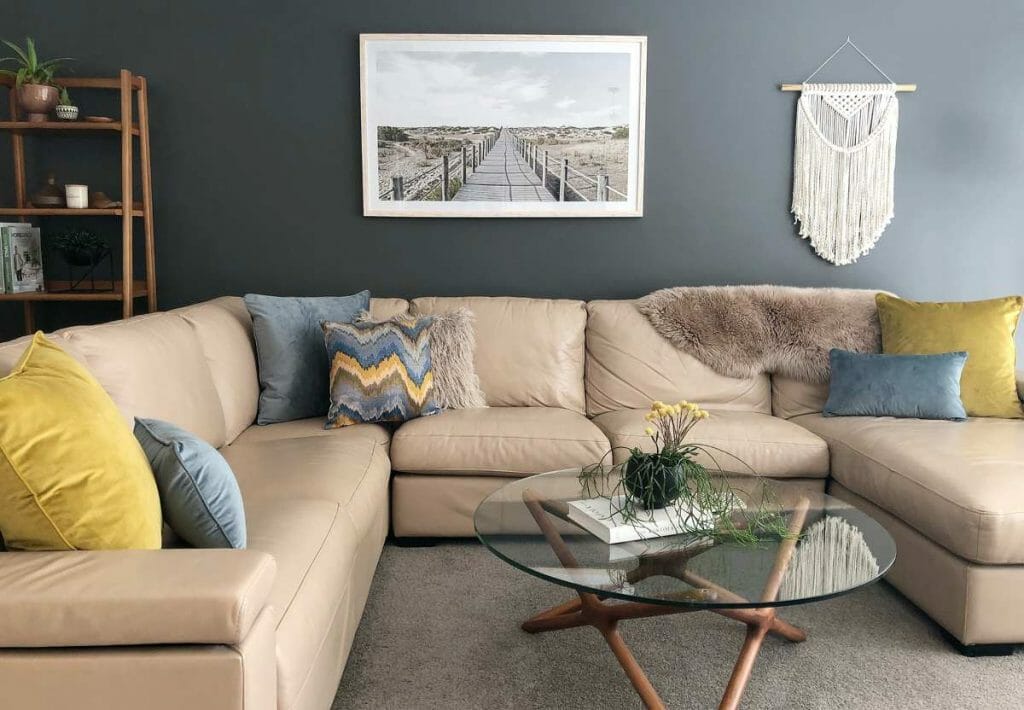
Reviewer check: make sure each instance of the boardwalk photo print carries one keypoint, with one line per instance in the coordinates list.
(502, 125)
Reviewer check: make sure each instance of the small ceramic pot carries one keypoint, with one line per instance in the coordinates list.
(654, 481)
(37, 100)
(67, 113)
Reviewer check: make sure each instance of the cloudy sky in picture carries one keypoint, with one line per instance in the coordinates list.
(501, 89)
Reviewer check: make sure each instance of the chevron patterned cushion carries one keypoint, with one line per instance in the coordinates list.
(380, 372)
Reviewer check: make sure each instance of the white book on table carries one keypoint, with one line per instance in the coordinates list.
(603, 518)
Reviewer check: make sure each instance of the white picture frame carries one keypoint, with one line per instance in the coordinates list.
(508, 117)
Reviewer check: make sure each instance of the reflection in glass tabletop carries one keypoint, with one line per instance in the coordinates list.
(839, 549)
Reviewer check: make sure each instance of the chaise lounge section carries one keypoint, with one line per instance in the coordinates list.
(271, 626)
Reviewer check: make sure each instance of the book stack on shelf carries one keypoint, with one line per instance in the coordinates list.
(21, 258)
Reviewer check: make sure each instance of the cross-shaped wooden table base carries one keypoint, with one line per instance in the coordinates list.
(589, 609)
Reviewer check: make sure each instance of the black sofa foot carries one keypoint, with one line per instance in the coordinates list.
(979, 650)
(414, 541)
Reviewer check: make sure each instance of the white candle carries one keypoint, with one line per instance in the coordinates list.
(77, 196)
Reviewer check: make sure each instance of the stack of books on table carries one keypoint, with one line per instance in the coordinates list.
(603, 517)
(21, 258)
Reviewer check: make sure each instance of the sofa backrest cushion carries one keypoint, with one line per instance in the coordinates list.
(387, 308)
(629, 365)
(154, 366)
(791, 398)
(529, 351)
(12, 350)
(224, 329)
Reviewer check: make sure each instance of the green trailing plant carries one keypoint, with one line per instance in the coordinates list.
(30, 70)
(705, 504)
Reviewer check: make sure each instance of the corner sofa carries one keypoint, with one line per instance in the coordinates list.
(271, 626)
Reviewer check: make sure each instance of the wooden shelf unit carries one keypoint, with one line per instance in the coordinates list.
(133, 128)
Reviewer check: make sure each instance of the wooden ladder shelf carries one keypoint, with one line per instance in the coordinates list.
(134, 122)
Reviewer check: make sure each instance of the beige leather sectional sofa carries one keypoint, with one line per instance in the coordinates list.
(271, 626)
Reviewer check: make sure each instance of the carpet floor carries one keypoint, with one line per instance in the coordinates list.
(441, 630)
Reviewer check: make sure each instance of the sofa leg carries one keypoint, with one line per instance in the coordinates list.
(415, 541)
(979, 650)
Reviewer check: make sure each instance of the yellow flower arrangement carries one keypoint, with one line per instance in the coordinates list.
(672, 423)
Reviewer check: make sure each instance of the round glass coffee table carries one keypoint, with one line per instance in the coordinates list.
(833, 548)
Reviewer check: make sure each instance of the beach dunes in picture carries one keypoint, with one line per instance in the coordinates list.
(501, 126)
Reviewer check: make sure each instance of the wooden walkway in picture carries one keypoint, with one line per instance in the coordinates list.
(503, 176)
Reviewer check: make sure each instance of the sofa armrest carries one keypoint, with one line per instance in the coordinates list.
(129, 597)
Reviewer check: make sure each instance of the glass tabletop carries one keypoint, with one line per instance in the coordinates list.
(837, 548)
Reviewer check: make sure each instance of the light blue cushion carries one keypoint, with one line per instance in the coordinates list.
(292, 356)
(198, 491)
(918, 386)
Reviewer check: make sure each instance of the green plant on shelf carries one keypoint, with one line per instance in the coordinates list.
(30, 70)
(64, 99)
(79, 247)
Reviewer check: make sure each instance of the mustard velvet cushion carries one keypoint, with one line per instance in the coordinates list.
(984, 329)
(72, 475)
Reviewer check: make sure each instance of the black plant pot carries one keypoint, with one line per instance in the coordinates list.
(653, 480)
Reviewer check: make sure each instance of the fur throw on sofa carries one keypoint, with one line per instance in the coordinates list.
(742, 331)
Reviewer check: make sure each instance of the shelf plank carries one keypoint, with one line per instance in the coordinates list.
(54, 294)
(64, 212)
(46, 126)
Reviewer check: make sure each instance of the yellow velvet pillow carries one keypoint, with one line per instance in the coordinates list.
(985, 329)
(72, 475)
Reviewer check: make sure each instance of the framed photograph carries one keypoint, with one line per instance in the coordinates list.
(502, 125)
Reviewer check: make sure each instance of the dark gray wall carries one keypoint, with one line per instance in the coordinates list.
(255, 125)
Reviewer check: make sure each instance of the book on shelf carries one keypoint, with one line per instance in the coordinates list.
(22, 252)
(603, 518)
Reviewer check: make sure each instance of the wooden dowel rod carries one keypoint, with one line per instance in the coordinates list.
(800, 87)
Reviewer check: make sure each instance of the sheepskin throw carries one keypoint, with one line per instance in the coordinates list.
(843, 167)
(742, 331)
(452, 345)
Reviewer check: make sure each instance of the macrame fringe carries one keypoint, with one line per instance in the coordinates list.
(844, 166)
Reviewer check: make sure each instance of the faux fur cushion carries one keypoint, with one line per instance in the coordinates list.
(452, 346)
(742, 331)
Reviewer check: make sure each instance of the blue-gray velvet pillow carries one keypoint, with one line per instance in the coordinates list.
(291, 352)
(199, 495)
(918, 386)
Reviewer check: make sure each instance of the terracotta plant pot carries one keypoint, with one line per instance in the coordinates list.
(37, 100)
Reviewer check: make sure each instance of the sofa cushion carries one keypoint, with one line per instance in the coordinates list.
(629, 365)
(224, 329)
(529, 351)
(791, 398)
(959, 483)
(298, 428)
(351, 471)
(314, 545)
(504, 441)
(769, 445)
(153, 366)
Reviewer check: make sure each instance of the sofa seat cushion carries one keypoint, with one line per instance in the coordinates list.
(959, 483)
(769, 445)
(298, 428)
(315, 545)
(502, 441)
(350, 471)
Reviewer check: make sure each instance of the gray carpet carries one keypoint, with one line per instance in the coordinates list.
(441, 631)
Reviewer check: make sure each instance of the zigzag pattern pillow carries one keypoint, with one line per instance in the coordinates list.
(380, 372)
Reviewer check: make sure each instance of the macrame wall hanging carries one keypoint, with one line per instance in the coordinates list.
(844, 162)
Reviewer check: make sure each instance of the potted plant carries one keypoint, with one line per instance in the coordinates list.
(80, 247)
(33, 80)
(66, 110)
(670, 476)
